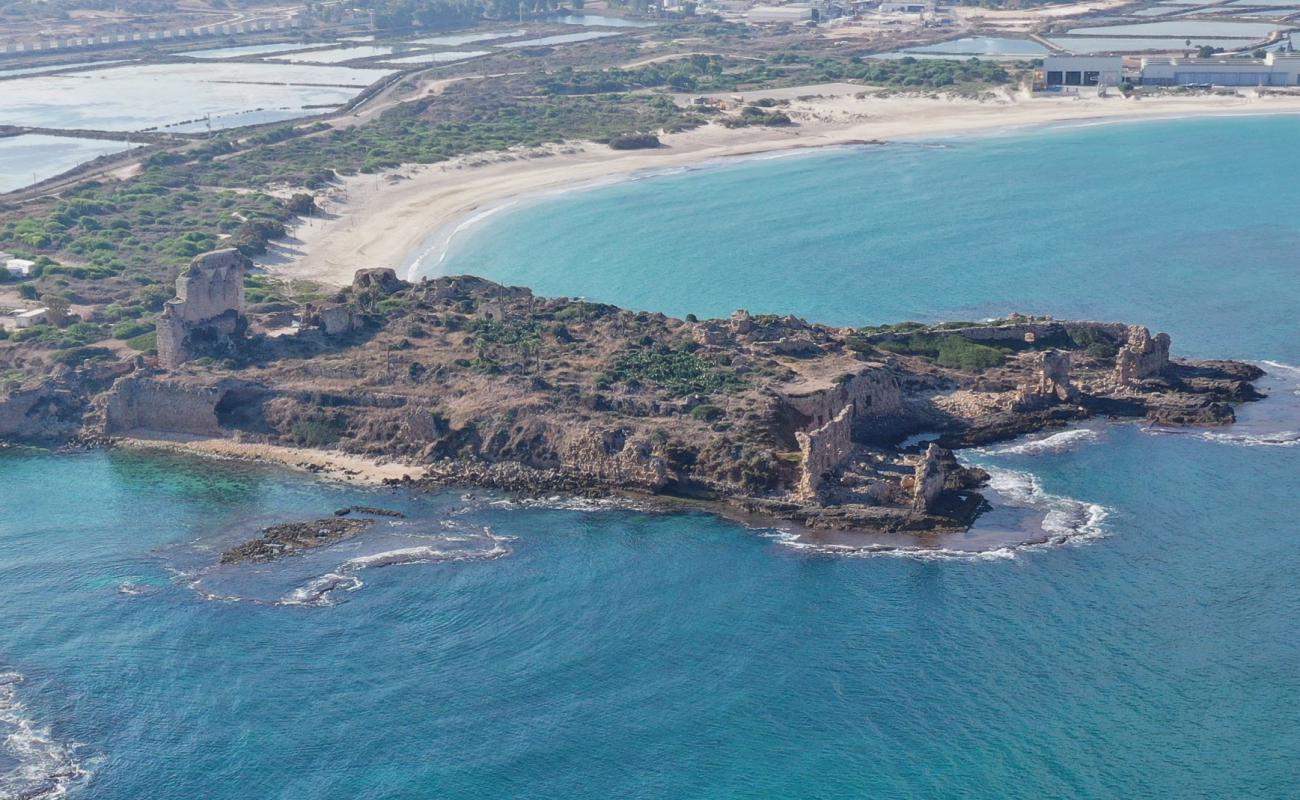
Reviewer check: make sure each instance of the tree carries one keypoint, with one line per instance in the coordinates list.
(56, 310)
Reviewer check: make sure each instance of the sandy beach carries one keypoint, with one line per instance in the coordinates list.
(327, 463)
(387, 220)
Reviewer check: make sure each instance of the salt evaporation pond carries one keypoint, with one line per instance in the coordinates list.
(458, 39)
(158, 95)
(249, 50)
(337, 55)
(444, 57)
(970, 47)
(1184, 28)
(564, 38)
(9, 73)
(608, 22)
(1086, 45)
(31, 158)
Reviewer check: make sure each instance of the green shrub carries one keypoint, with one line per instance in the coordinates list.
(76, 356)
(130, 330)
(316, 431)
(679, 371)
(706, 412)
(144, 343)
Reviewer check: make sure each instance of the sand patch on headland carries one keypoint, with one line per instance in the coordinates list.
(383, 220)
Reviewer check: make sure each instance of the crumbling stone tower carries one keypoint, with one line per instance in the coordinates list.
(207, 315)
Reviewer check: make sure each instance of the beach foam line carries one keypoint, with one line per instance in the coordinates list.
(45, 768)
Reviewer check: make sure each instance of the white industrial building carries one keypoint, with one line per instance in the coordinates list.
(1082, 71)
(1275, 69)
(777, 14)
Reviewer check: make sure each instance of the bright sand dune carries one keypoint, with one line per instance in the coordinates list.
(386, 220)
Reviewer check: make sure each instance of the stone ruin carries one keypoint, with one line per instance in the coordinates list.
(1143, 356)
(206, 318)
(1049, 383)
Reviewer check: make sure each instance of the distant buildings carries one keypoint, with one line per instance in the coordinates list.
(1275, 69)
(16, 267)
(1082, 71)
(794, 13)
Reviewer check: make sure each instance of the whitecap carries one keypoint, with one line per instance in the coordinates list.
(1055, 443)
(1271, 439)
(44, 768)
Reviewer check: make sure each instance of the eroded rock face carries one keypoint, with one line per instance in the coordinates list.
(207, 315)
(1143, 356)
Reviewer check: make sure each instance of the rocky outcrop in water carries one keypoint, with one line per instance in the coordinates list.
(278, 541)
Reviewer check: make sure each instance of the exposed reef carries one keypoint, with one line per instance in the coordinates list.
(278, 541)
(486, 385)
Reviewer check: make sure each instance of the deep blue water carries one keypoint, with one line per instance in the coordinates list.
(612, 653)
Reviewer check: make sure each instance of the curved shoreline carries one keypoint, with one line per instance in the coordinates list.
(398, 218)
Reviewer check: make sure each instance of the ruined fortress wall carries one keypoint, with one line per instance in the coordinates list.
(929, 480)
(145, 404)
(833, 415)
(609, 457)
(823, 450)
(873, 392)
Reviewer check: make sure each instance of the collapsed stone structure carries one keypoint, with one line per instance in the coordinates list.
(207, 315)
(1142, 356)
(827, 418)
(1050, 381)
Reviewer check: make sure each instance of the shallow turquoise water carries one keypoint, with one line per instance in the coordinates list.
(1187, 226)
(611, 653)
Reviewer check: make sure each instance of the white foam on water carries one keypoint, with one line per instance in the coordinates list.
(1055, 443)
(1066, 521)
(1271, 439)
(319, 591)
(45, 768)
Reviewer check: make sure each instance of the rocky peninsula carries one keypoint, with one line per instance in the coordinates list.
(477, 384)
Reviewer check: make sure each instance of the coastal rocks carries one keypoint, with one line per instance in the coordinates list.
(206, 318)
(291, 537)
(1143, 356)
(46, 412)
(1205, 413)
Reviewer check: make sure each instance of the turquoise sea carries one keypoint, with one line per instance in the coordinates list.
(484, 648)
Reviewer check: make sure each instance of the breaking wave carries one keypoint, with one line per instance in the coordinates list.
(1273, 439)
(1065, 521)
(1055, 443)
(328, 575)
(33, 765)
